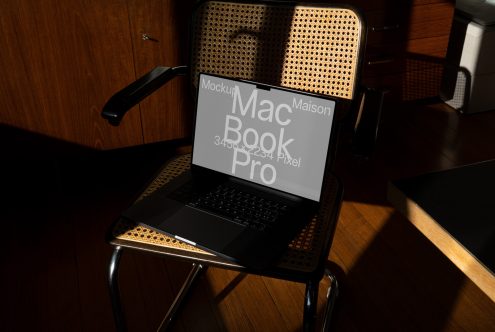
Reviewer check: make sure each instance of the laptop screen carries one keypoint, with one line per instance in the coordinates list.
(271, 136)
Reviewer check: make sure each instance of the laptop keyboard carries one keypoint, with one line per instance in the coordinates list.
(241, 207)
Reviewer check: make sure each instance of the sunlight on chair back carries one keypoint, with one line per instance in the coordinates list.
(312, 48)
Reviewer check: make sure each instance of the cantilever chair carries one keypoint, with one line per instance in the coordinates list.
(316, 48)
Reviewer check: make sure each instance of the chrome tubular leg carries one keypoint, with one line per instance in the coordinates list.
(186, 286)
(310, 304)
(332, 293)
(113, 283)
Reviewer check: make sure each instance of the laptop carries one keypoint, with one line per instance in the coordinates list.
(258, 163)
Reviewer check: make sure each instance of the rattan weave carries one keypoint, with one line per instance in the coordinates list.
(304, 47)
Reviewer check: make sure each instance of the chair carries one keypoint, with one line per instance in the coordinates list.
(315, 48)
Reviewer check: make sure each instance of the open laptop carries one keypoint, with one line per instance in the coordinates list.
(258, 163)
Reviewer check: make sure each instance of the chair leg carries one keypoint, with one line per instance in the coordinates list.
(113, 283)
(186, 286)
(310, 304)
(332, 293)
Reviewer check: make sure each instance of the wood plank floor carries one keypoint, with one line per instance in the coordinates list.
(58, 202)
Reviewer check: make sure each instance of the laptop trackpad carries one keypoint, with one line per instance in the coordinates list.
(202, 228)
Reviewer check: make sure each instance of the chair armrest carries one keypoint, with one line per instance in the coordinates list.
(116, 107)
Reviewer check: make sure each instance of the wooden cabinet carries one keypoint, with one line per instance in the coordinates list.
(406, 45)
(61, 61)
(166, 114)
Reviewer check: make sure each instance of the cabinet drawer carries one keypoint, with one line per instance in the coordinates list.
(433, 46)
(430, 20)
(383, 59)
(421, 80)
(369, 5)
(399, 24)
(395, 58)
(386, 27)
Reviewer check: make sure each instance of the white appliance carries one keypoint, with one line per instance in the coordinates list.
(469, 79)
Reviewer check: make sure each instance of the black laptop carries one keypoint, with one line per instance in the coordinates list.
(258, 163)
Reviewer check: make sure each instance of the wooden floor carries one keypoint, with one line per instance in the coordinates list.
(58, 201)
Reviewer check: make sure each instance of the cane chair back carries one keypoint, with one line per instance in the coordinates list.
(311, 48)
